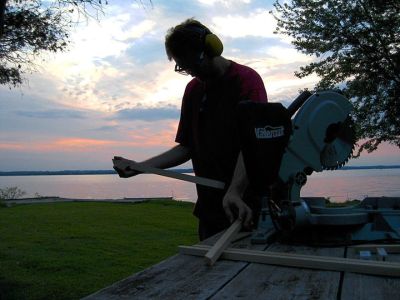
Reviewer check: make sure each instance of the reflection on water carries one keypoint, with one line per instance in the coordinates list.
(342, 185)
(101, 186)
(337, 185)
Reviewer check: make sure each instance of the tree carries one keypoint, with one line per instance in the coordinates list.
(357, 48)
(30, 27)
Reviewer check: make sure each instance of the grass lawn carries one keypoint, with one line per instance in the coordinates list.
(70, 250)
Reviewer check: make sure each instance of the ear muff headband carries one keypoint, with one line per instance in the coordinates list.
(212, 44)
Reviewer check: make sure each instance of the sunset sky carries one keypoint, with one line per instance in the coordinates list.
(115, 92)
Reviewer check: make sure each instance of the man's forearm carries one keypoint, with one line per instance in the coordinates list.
(239, 181)
(171, 158)
(233, 204)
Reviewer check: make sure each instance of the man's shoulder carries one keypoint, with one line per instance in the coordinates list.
(239, 69)
(193, 89)
(249, 82)
(246, 75)
(193, 84)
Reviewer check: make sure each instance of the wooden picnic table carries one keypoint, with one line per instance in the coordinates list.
(189, 277)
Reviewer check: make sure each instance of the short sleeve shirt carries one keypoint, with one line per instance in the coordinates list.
(207, 127)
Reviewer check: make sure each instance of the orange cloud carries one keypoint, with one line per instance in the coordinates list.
(79, 143)
(144, 138)
(149, 137)
(11, 146)
(63, 144)
(70, 145)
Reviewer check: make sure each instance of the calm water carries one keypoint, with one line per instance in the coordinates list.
(338, 185)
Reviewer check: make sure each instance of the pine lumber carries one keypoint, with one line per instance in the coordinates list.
(167, 173)
(382, 268)
(390, 248)
(215, 251)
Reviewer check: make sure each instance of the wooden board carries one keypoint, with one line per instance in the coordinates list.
(382, 268)
(373, 247)
(168, 173)
(359, 286)
(260, 281)
(215, 251)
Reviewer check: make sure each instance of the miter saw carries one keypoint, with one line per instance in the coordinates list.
(282, 146)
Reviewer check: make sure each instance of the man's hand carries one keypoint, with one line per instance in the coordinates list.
(234, 205)
(121, 165)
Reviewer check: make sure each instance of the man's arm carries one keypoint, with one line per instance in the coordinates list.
(232, 201)
(171, 158)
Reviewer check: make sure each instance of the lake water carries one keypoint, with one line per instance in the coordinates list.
(339, 185)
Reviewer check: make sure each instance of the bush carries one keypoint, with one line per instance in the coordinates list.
(9, 193)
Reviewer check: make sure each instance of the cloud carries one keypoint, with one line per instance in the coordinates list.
(12, 146)
(145, 135)
(115, 91)
(173, 12)
(259, 23)
(52, 114)
(110, 36)
(58, 145)
(111, 128)
(146, 50)
(251, 46)
(224, 2)
(161, 134)
(78, 143)
(149, 114)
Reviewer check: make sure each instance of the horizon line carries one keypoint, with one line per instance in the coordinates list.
(179, 170)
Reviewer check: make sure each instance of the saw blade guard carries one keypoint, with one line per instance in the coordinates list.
(322, 136)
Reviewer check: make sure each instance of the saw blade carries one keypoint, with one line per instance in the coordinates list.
(339, 144)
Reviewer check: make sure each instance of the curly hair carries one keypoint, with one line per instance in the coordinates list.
(187, 37)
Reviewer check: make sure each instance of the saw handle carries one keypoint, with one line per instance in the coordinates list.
(298, 102)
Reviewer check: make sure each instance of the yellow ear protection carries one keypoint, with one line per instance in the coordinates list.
(212, 44)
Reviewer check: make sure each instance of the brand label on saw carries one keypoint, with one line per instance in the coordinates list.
(269, 132)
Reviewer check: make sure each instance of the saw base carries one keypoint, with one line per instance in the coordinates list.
(374, 220)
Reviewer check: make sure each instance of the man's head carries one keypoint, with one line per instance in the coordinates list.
(190, 44)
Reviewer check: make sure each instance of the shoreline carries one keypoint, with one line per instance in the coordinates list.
(55, 199)
(186, 171)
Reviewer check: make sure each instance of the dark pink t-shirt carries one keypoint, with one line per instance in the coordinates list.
(208, 128)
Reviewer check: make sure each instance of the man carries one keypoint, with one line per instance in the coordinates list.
(206, 132)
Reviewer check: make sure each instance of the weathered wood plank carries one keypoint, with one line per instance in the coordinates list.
(360, 286)
(179, 277)
(259, 281)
